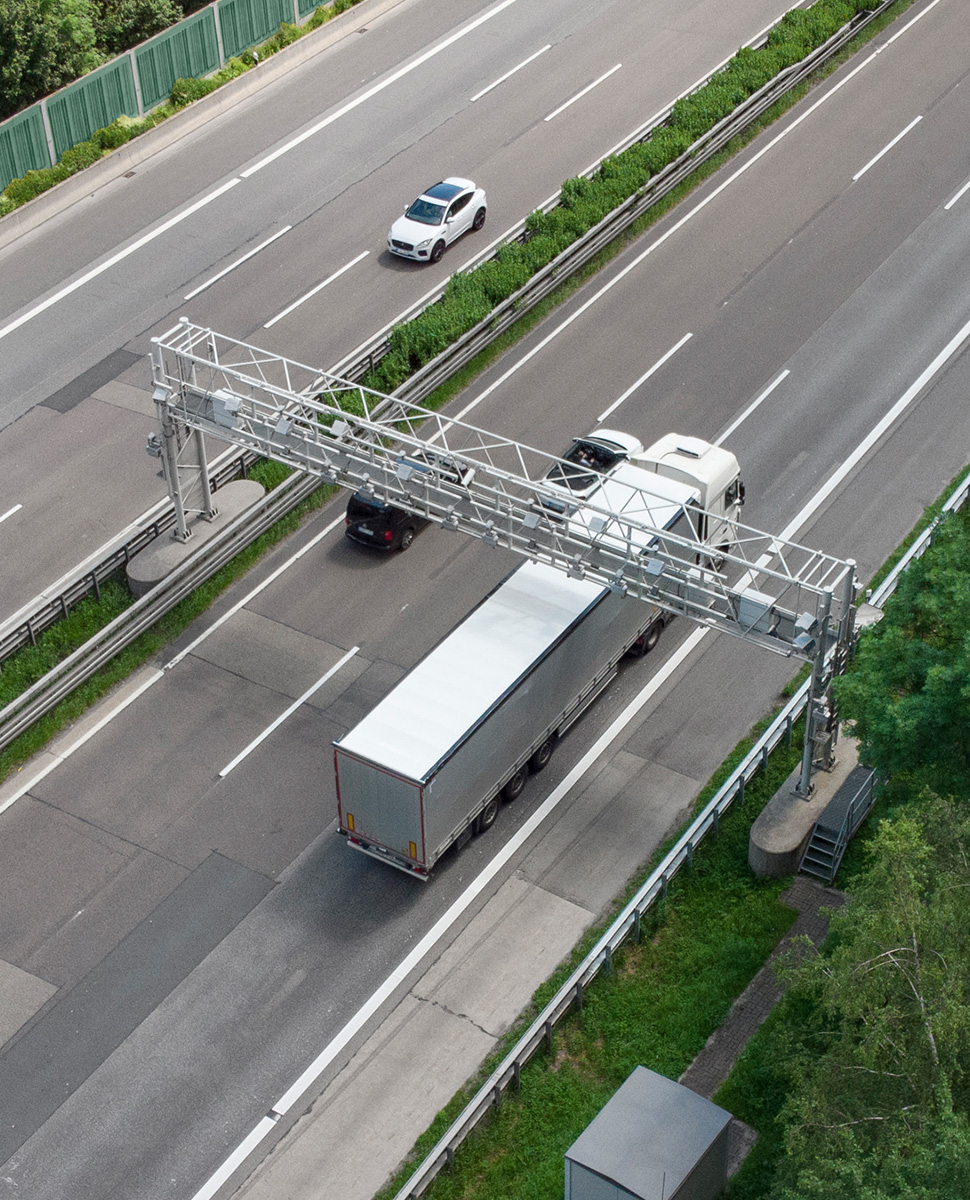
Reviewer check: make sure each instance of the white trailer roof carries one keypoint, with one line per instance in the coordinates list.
(423, 717)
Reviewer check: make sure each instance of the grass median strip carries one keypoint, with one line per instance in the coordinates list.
(662, 1000)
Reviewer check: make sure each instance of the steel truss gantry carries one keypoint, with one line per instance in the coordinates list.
(785, 597)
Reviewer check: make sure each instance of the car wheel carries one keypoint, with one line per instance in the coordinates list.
(486, 818)
(479, 220)
(437, 252)
(513, 789)
(407, 537)
(540, 760)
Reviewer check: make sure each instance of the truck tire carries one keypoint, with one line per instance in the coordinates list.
(486, 818)
(647, 640)
(513, 789)
(540, 759)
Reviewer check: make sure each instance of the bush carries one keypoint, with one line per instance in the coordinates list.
(184, 91)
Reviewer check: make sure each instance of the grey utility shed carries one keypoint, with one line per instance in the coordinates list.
(655, 1140)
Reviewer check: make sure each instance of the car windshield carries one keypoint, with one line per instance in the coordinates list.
(426, 211)
(584, 461)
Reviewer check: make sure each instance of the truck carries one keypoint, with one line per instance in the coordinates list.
(430, 765)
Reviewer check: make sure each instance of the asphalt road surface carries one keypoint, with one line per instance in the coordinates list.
(302, 180)
(179, 944)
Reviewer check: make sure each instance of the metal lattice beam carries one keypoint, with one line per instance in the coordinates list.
(783, 596)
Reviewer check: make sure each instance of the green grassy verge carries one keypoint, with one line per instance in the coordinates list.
(662, 1000)
(55, 644)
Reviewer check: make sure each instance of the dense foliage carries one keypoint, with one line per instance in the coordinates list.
(45, 44)
(585, 202)
(907, 694)
(870, 1063)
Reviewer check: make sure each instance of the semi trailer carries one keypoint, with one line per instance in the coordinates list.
(431, 764)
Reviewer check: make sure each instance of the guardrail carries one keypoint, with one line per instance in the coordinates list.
(957, 500)
(369, 354)
(50, 607)
(22, 628)
(599, 959)
(21, 713)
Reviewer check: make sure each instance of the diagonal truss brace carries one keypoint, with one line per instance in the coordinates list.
(785, 597)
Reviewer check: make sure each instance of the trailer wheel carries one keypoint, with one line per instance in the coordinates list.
(647, 641)
(540, 760)
(486, 818)
(513, 789)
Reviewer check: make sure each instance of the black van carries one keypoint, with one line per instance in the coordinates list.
(374, 523)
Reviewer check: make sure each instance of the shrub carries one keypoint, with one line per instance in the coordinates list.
(184, 91)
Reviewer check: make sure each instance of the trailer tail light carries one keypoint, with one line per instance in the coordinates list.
(350, 822)
(412, 850)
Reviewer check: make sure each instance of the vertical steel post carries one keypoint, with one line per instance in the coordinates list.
(816, 692)
(168, 446)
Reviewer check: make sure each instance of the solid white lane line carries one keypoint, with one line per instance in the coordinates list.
(579, 95)
(508, 74)
(885, 150)
(59, 758)
(262, 1129)
(674, 228)
(376, 89)
(288, 712)
(645, 376)
(906, 399)
(752, 406)
(950, 203)
(521, 837)
(157, 675)
(10, 512)
(271, 578)
(238, 263)
(120, 256)
(293, 1094)
(313, 291)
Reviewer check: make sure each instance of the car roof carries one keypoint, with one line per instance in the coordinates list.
(448, 189)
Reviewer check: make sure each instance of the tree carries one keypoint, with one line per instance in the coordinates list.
(907, 693)
(44, 44)
(122, 24)
(879, 1078)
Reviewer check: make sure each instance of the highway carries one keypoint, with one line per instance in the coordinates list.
(180, 944)
(302, 182)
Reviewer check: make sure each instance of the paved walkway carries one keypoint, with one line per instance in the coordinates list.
(812, 900)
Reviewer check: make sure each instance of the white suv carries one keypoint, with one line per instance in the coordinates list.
(437, 218)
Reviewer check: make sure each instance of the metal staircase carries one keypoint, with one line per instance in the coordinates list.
(839, 820)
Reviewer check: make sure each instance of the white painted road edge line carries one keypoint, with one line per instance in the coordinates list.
(288, 712)
(375, 90)
(59, 758)
(905, 400)
(160, 674)
(694, 639)
(508, 74)
(116, 258)
(669, 233)
(271, 578)
(10, 512)
(645, 376)
(885, 150)
(950, 203)
(752, 406)
(292, 1095)
(238, 263)
(579, 95)
(313, 291)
